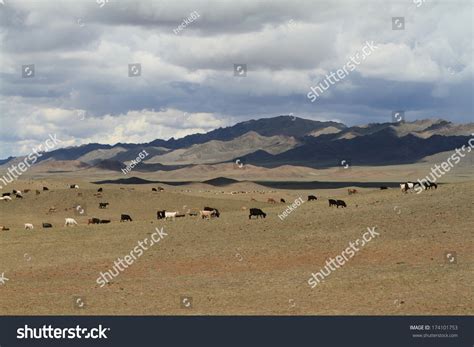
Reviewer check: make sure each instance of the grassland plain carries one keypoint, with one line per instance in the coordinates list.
(233, 265)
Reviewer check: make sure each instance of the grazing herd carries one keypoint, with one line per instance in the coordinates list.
(411, 186)
(207, 213)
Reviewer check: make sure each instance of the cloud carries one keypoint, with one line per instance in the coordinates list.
(81, 51)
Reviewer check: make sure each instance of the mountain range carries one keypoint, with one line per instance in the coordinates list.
(272, 142)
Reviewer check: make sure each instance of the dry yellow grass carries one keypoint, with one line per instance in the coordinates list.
(233, 265)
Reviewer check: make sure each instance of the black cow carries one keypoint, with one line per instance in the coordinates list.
(19, 196)
(429, 185)
(104, 221)
(99, 190)
(6, 194)
(47, 225)
(217, 214)
(257, 212)
(312, 197)
(45, 188)
(160, 214)
(332, 202)
(153, 190)
(340, 203)
(103, 204)
(15, 191)
(282, 200)
(73, 186)
(93, 221)
(383, 187)
(125, 217)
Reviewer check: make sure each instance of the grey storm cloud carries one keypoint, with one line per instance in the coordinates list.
(81, 51)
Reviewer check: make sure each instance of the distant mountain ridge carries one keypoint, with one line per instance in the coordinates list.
(272, 142)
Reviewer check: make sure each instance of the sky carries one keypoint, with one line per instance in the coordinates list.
(111, 71)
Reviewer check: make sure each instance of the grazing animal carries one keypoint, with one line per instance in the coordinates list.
(429, 185)
(69, 222)
(6, 194)
(271, 201)
(216, 211)
(282, 200)
(47, 225)
(160, 214)
(19, 196)
(408, 186)
(312, 197)
(257, 212)
(170, 215)
(332, 202)
(340, 203)
(103, 204)
(104, 221)
(37, 192)
(153, 190)
(45, 188)
(383, 187)
(6, 198)
(4, 228)
(100, 190)
(29, 226)
(404, 187)
(93, 221)
(15, 191)
(352, 191)
(125, 217)
(160, 189)
(207, 214)
(73, 186)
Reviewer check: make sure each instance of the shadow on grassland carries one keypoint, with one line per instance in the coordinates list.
(223, 181)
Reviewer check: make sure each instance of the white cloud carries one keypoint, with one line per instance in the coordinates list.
(287, 46)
